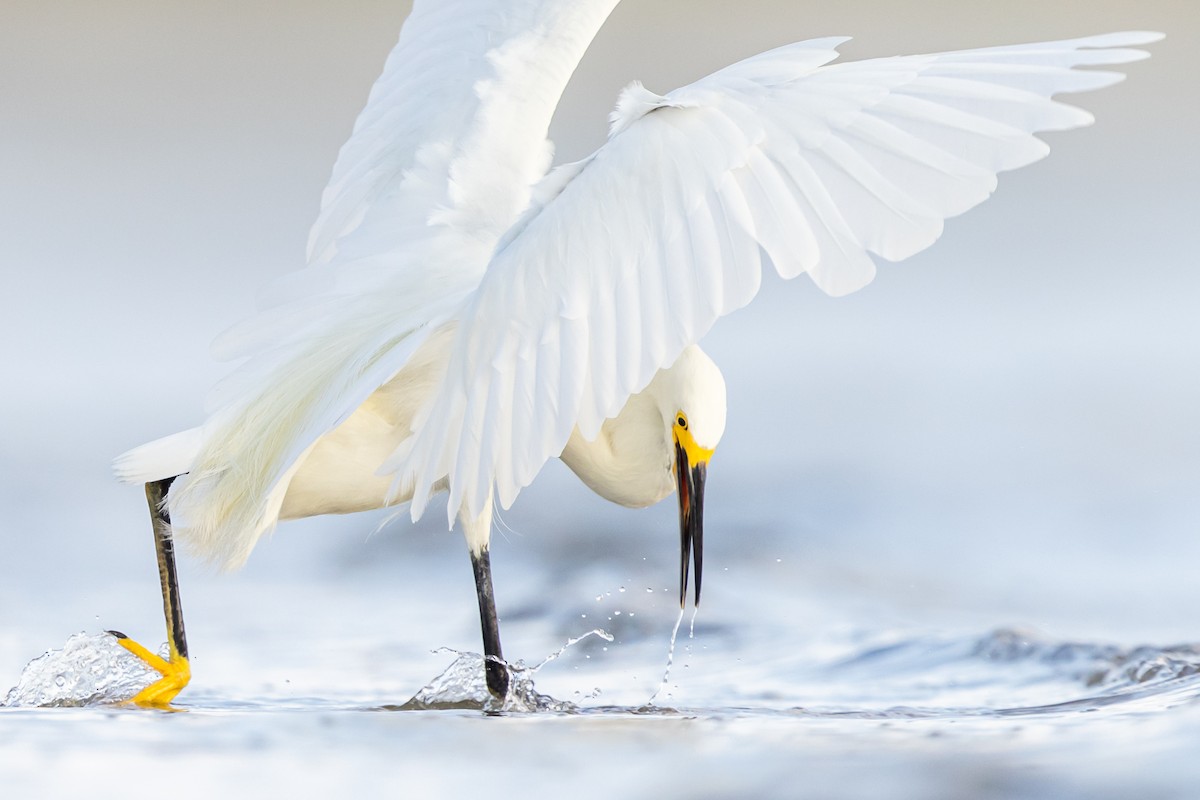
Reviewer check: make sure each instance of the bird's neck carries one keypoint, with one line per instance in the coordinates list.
(629, 463)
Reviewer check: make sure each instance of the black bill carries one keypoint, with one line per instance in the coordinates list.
(690, 485)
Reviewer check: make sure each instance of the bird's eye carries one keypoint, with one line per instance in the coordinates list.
(681, 421)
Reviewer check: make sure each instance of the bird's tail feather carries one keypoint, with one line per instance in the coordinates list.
(163, 458)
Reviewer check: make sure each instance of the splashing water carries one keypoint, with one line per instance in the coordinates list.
(90, 669)
(671, 655)
(463, 685)
(603, 634)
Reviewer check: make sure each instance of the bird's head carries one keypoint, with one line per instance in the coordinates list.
(692, 401)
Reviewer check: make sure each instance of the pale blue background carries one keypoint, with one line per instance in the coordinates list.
(1002, 430)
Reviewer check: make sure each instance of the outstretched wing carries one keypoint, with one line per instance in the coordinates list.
(456, 122)
(442, 161)
(632, 254)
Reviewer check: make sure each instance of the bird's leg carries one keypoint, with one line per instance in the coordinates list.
(175, 671)
(494, 666)
(478, 532)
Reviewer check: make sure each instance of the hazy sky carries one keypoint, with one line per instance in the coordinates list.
(161, 160)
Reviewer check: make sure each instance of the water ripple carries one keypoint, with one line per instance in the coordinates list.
(1007, 673)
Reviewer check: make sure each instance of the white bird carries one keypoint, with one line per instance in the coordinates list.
(466, 315)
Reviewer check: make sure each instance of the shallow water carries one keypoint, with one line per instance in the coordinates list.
(1006, 673)
(775, 695)
(1115, 737)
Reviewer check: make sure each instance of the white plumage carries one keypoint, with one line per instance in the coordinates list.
(465, 316)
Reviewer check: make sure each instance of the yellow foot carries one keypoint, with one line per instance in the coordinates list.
(175, 674)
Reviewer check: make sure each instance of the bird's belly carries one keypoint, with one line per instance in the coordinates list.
(340, 472)
(339, 475)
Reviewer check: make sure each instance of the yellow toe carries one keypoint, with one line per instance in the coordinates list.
(175, 672)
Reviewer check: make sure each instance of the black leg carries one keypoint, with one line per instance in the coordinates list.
(497, 672)
(164, 545)
(176, 672)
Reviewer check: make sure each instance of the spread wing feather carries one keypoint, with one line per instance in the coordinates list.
(632, 254)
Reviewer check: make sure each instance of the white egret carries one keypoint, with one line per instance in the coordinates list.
(466, 315)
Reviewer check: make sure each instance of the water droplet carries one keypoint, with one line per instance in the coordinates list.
(60, 680)
(622, 589)
(616, 613)
(583, 616)
(649, 590)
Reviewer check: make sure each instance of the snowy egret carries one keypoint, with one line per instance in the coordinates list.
(466, 314)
